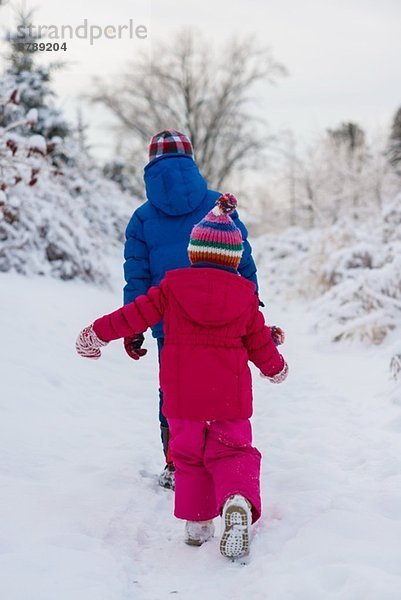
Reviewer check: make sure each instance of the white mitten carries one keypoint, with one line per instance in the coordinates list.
(88, 344)
(278, 377)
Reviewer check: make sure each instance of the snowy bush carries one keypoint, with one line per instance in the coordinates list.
(279, 256)
(365, 305)
(395, 361)
(350, 274)
(59, 215)
(360, 278)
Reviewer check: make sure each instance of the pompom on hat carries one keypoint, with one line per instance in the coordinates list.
(169, 141)
(216, 239)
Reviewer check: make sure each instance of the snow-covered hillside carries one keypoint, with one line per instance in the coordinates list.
(82, 517)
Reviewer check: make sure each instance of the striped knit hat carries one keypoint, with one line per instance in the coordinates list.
(216, 239)
(168, 141)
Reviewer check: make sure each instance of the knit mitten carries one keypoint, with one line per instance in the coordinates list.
(277, 334)
(278, 377)
(88, 344)
(133, 346)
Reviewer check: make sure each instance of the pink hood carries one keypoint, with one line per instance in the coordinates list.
(210, 297)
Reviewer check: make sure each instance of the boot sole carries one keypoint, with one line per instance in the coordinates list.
(233, 543)
(197, 543)
(193, 541)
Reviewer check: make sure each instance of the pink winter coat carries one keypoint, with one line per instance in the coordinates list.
(213, 326)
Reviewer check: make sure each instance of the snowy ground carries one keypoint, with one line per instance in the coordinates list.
(83, 519)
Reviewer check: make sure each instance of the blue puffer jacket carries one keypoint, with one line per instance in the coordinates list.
(158, 233)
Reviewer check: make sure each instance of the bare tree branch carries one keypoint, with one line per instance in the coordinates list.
(200, 90)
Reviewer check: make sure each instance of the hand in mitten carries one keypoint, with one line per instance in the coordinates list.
(278, 377)
(133, 346)
(278, 335)
(88, 344)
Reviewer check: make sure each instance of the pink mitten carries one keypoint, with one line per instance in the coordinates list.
(88, 344)
(278, 377)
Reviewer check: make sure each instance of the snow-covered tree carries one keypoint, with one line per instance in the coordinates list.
(395, 142)
(205, 92)
(349, 135)
(340, 175)
(32, 91)
(118, 171)
(59, 215)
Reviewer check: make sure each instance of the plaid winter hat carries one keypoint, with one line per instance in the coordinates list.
(216, 239)
(168, 141)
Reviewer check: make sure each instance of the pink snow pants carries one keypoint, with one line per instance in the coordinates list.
(213, 460)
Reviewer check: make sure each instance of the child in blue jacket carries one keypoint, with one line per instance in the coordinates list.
(158, 233)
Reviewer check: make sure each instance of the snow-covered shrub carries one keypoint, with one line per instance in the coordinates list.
(279, 256)
(395, 362)
(59, 215)
(366, 305)
(64, 225)
(361, 271)
(118, 171)
(350, 273)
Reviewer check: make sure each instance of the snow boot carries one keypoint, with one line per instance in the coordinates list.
(237, 519)
(198, 532)
(167, 477)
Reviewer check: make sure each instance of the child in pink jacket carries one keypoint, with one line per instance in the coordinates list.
(213, 327)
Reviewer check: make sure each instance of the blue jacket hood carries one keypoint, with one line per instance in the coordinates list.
(174, 184)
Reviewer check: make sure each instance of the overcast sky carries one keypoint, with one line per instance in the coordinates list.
(343, 56)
